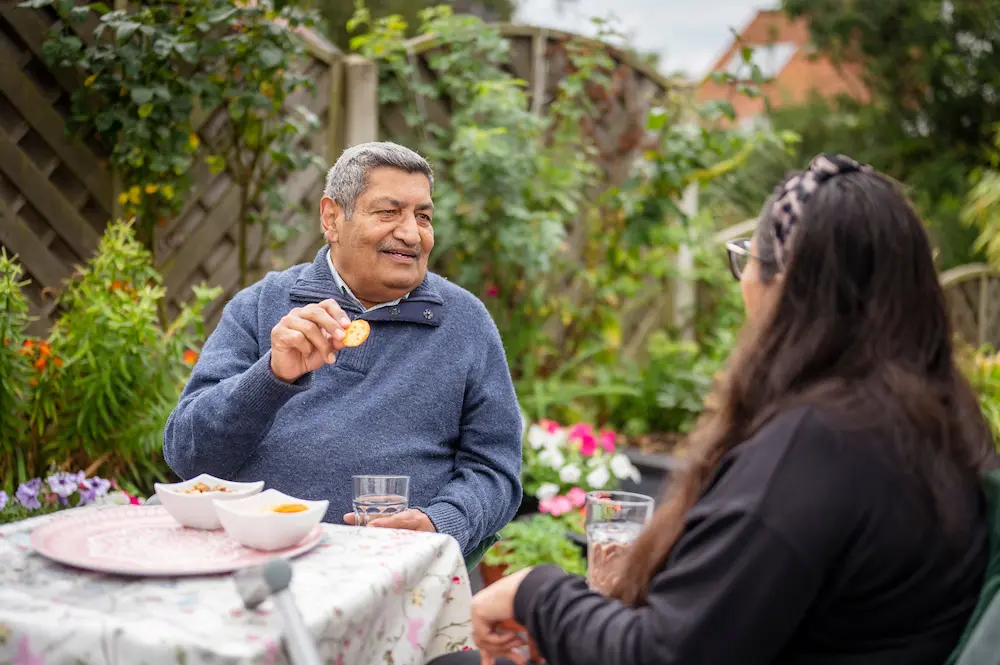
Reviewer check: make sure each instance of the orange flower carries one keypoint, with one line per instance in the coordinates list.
(6, 341)
(44, 349)
(33, 382)
(116, 285)
(57, 361)
(28, 343)
(190, 357)
(40, 363)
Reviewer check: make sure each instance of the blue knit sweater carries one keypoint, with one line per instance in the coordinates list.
(428, 395)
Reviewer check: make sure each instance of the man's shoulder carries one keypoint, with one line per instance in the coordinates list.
(275, 281)
(454, 295)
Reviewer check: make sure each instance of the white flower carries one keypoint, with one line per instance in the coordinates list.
(622, 467)
(113, 498)
(570, 474)
(546, 491)
(537, 437)
(553, 457)
(598, 478)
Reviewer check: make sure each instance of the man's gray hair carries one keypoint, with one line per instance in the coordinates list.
(347, 179)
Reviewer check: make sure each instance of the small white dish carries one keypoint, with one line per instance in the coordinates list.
(253, 523)
(197, 511)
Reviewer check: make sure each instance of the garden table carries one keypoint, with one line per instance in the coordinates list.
(368, 596)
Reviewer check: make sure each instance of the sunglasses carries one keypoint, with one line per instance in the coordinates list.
(739, 256)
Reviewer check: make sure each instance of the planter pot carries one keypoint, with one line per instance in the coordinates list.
(656, 470)
(491, 574)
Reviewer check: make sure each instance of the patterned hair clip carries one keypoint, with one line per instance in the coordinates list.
(786, 211)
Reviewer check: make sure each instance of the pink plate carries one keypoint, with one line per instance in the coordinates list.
(146, 541)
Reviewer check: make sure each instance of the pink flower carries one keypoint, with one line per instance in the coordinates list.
(584, 434)
(133, 500)
(577, 497)
(24, 654)
(549, 426)
(413, 632)
(556, 506)
(492, 291)
(608, 440)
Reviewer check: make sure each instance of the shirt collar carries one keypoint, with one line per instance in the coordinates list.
(345, 290)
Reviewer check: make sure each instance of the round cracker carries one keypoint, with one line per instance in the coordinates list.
(357, 332)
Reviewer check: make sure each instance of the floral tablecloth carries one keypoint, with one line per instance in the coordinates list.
(369, 596)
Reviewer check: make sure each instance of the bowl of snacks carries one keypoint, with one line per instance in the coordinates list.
(192, 502)
(271, 520)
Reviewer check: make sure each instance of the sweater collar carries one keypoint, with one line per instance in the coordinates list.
(316, 283)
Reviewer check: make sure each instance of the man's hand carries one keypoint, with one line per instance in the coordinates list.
(411, 520)
(307, 338)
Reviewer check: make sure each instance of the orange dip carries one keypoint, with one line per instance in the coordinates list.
(289, 508)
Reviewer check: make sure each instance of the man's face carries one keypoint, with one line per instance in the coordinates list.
(381, 252)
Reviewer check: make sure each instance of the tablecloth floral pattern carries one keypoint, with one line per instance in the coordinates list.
(368, 596)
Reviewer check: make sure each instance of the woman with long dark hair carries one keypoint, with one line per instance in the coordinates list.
(831, 513)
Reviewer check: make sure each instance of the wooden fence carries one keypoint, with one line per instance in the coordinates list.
(57, 193)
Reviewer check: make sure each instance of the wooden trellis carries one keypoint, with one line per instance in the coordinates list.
(57, 194)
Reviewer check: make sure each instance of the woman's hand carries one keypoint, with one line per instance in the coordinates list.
(491, 607)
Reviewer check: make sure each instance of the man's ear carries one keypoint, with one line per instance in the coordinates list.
(331, 215)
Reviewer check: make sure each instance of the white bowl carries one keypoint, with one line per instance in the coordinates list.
(252, 523)
(198, 510)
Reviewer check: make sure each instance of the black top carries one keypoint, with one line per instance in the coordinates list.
(806, 549)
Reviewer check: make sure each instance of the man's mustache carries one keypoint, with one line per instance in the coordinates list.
(415, 250)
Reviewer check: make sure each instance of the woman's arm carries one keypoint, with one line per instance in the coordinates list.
(733, 593)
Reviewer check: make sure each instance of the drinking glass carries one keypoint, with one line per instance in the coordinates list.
(379, 496)
(614, 521)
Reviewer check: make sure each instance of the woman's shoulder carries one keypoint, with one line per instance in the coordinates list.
(803, 465)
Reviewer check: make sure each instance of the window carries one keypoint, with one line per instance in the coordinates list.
(769, 58)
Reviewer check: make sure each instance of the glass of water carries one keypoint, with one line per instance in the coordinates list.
(614, 521)
(379, 496)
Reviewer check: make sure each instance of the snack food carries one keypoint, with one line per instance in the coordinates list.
(357, 332)
(202, 488)
(289, 508)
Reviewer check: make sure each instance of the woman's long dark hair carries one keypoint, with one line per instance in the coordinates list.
(859, 328)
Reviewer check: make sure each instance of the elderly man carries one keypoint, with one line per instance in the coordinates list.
(277, 396)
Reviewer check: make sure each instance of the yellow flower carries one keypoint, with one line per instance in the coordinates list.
(194, 141)
(123, 198)
(89, 81)
(151, 189)
(134, 194)
(168, 192)
(267, 89)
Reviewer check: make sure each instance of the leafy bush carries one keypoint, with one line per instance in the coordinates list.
(155, 71)
(983, 370)
(96, 393)
(536, 540)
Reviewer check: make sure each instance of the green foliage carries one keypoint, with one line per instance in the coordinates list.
(537, 540)
(97, 391)
(983, 372)
(982, 207)
(337, 13)
(930, 69)
(147, 73)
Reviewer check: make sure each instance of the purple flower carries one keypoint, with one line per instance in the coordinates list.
(3, 499)
(27, 494)
(63, 484)
(91, 488)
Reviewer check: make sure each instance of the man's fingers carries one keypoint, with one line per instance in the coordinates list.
(350, 519)
(336, 313)
(318, 315)
(312, 332)
(293, 339)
